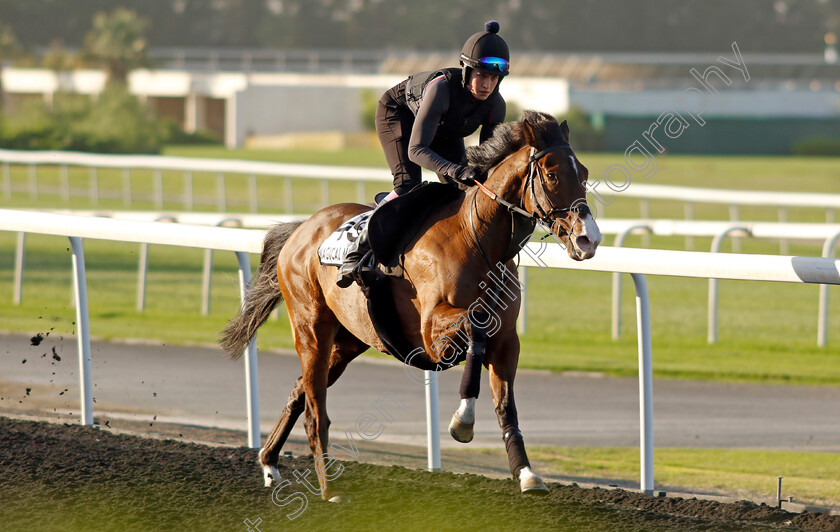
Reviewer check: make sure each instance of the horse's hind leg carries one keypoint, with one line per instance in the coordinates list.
(271, 450)
(345, 349)
(502, 366)
(319, 373)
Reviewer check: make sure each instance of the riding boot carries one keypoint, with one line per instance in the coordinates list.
(356, 260)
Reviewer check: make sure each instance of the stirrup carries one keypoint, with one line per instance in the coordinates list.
(361, 273)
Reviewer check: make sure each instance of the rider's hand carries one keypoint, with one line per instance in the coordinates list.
(467, 175)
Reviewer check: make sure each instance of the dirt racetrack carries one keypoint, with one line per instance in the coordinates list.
(68, 477)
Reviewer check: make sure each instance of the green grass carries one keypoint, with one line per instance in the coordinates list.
(811, 174)
(767, 331)
(812, 478)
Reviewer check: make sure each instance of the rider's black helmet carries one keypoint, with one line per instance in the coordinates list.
(486, 52)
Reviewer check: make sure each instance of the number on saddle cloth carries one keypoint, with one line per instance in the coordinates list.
(333, 250)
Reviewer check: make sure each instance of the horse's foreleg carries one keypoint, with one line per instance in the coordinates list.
(501, 386)
(274, 443)
(461, 428)
(450, 330)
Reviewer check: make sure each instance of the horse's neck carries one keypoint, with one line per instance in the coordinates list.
(491, 221)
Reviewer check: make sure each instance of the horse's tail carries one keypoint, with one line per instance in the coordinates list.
(263, 296)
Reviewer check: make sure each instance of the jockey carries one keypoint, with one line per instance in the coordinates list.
(422, 122)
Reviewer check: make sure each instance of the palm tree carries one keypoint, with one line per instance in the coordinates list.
(117, 40)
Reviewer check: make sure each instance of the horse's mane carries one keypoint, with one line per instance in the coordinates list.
(508, 138)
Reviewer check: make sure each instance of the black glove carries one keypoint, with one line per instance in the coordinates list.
(467, 175)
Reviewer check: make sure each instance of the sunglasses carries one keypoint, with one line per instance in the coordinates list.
(496, 63)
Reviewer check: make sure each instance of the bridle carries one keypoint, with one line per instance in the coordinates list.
(547, 218)
(535, 174)
(543, 218)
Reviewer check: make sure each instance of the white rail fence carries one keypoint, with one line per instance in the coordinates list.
(636, 262)
(324, 173)
(828, 234)
(157, 164)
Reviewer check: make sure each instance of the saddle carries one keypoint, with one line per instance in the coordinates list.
(391, 228)
(394, 224)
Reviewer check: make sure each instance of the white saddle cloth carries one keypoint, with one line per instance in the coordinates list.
(333, 250)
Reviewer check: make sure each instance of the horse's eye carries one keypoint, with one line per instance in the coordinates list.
(551, 176)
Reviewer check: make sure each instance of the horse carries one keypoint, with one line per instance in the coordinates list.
(531, 173)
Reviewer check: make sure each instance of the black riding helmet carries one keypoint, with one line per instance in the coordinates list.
(486, 52)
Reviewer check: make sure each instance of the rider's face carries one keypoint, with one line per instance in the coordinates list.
(482, 85)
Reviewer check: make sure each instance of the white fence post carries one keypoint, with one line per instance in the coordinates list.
(645, 383)
(127, 187)
(325, 193)
(361, 192)
(83, 332)
(65, 183)
(7, 180)
(734, 216)
(142, 271)
(220, 192)
(432, 422)
(158, 188)
(252, 381)
(616, 280)
(207, 270)
(822, 320)
(645, 212)
(711, 333)
(288, 203)
(688, 208)
(784, 244)
(143, 266)
(33, 181)
(253, 194)
(189, 196)
(94, 186)
(206, 281)
(19, 261)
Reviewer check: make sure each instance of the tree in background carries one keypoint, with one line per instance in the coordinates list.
(9, 48)
(117, 41)
(583, 135)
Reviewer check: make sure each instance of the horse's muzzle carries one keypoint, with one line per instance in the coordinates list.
(584, 239)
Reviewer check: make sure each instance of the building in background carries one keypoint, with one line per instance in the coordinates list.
(268, 94)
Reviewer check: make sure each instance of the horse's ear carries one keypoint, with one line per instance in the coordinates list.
(528, 133)
(564, 127)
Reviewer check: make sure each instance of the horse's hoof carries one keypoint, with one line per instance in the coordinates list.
(531, 484)
(269, 472)
(461, 432)
(270, 475)
(339, 498)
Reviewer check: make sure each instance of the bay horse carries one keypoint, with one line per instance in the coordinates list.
(532, 171)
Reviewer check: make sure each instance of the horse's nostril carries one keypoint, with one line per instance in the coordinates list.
(583, 241)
